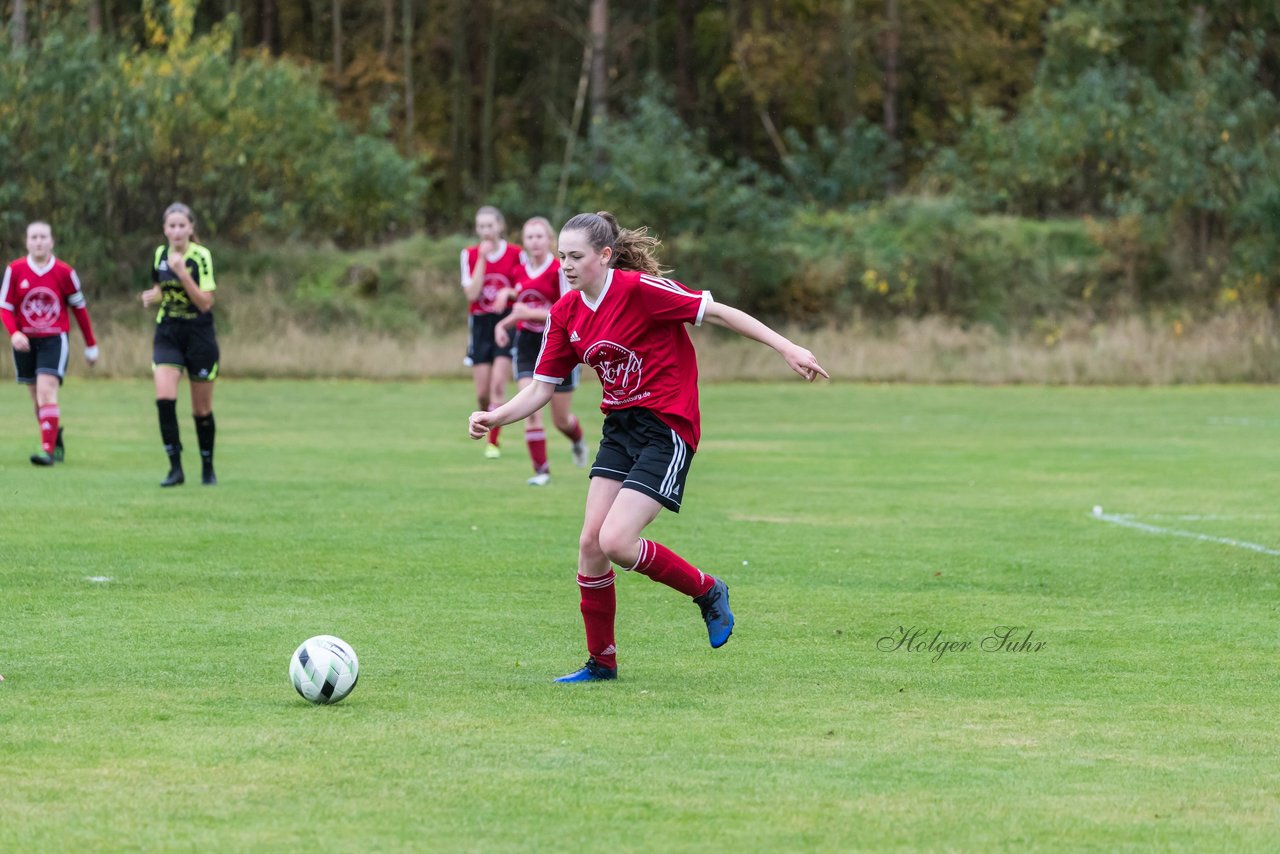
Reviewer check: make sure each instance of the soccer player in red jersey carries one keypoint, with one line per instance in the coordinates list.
(538, 286)
(489, 271)
(626, 321)
(34, 297)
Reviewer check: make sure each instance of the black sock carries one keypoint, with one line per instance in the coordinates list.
(168, 411)
(204, 435)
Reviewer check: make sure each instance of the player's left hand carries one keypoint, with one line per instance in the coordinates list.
(804, 363)
(176, 259)
(91, 354)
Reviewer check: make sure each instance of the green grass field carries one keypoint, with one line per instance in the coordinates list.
(152, 711)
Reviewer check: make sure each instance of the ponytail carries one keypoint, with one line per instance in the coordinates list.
(633, 249)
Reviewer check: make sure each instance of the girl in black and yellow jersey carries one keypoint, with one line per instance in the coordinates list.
(182, 273)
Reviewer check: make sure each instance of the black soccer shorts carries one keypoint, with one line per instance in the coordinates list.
(639, 449)
(48, 355)
(482, 349)
(193, 346)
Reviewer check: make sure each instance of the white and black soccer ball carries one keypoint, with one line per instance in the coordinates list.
(324, 669)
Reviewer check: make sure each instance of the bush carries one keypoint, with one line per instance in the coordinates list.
(253, 145)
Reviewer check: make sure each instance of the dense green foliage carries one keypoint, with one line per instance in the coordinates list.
(99, 139)
(150, 709)
(813, 159)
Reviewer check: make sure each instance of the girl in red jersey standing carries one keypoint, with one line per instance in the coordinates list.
(626, 321)
(36, 292)
(537, 289)
(489, 271)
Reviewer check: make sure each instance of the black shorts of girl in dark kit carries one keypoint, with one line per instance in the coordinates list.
(527, 347)
(639, 449)
(193, 346)
(482, 349)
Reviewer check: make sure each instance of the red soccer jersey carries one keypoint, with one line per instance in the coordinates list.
(499, 272)
(539, 289)
(33, 299)
(634, 337)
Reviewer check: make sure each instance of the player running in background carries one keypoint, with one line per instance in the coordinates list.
(35, 297)
(626, 321)
(489, 271)
(538, 286)
(182, 273)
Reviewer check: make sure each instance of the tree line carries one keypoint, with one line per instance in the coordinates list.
(785, 129)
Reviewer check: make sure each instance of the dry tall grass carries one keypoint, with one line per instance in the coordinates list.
(1231, 348)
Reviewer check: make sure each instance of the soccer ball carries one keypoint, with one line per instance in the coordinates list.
(324, 669)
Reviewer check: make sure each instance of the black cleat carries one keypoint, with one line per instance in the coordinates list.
(175, 478)
(59, 450)
(208, 478)
(42, 459)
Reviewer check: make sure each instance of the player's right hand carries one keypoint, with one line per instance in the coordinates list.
(500, 336)
(149, 296)
(477, 424)
(20, 342)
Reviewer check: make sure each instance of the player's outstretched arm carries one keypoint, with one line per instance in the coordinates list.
(530, 399)
(798, 358)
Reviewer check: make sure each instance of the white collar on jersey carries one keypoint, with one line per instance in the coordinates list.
(608, 280)
(497, 253)
(533, 274)
(31, 262)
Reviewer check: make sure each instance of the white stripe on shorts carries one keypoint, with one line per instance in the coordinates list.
(673, 468)
(62, 362)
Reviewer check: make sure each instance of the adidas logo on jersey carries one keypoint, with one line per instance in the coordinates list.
(573, 337)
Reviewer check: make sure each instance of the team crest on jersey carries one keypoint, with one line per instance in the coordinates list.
(619, 369)
(41, 308)
(493, 283)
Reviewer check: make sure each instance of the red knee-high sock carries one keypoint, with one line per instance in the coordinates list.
(665, 566)
(575, 429)
(493, 431)
(537, 442)
(599, 605)
(48, 417)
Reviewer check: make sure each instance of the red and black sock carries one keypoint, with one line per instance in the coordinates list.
(47, 416)
(666, 567)
(537, 442)
(599, 605)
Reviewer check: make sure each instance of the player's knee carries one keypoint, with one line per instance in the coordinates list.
(589, 546)
(618, 546)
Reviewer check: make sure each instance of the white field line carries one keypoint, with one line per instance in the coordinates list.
(1128, 522)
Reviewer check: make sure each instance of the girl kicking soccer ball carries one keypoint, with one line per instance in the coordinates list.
(628, 323)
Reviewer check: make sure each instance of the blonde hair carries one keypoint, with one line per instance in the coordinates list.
(545, 223)
(633, 249)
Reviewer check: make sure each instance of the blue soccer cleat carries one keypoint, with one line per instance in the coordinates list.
(716, 614)
(591, 672)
